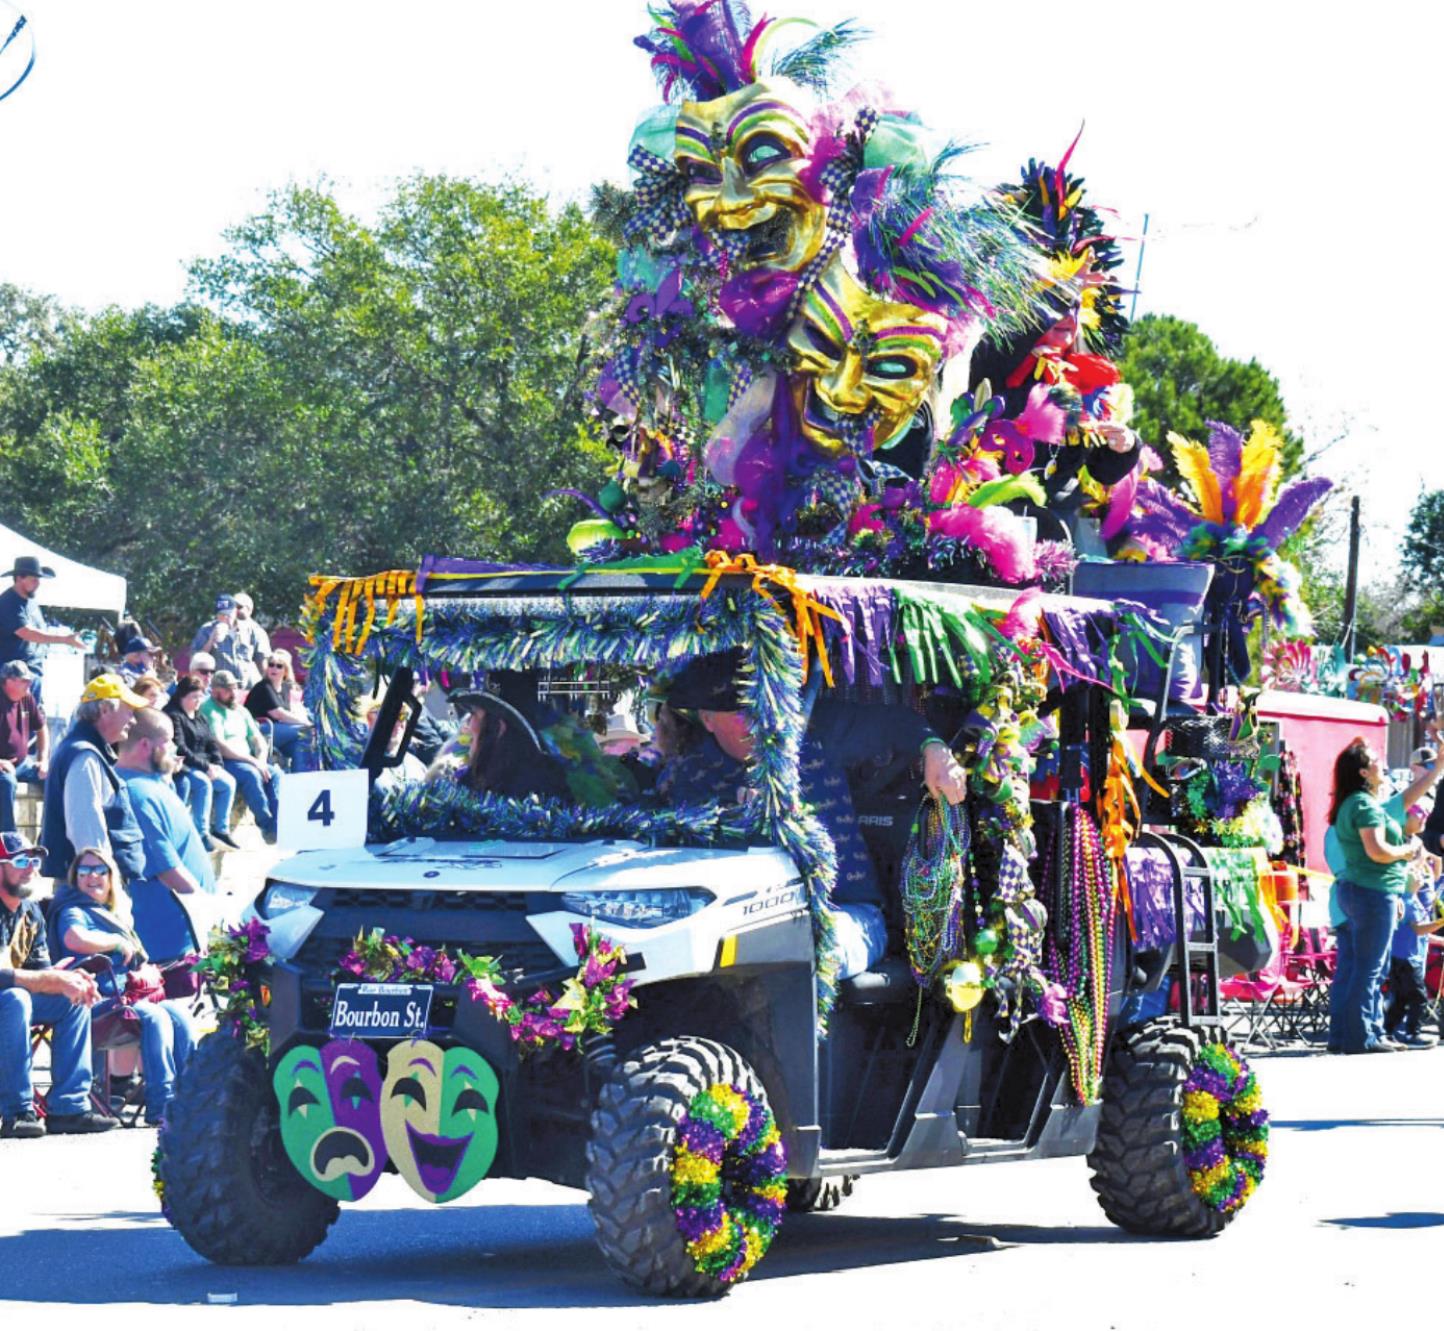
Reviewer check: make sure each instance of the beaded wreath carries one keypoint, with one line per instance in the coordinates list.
(1225, 1129)
(729, 1184)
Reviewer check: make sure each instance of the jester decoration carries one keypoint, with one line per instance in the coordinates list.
(433, 1116)
(798, 272)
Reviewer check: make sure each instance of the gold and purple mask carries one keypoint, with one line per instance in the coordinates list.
(746, 158)
(862, 364)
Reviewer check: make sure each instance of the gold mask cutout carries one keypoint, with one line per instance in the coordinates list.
(743, 156)
(860, 361)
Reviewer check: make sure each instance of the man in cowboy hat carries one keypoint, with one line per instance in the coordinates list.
(22, 625)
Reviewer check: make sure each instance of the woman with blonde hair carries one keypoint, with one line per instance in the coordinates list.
(273, 700)
(92, 917)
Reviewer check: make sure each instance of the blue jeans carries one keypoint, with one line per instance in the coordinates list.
(861, 937)
(9, 786)
(69, 1051)
(293, 743)
(166, 1040)
(260, 796)
(209, 798)
(1356, 1005)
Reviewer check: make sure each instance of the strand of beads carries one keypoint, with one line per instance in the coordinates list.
(729, 1181)
(934, 879)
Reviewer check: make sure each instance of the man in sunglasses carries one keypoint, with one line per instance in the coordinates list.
(32, 990)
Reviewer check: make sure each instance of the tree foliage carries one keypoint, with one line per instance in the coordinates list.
(1180, 382)
(335, 396)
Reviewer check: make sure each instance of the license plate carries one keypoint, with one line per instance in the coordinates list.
(381, 1011)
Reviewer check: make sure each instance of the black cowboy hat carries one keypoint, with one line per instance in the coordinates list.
(28, 566)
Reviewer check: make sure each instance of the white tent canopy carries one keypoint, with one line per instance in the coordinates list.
(74, 586)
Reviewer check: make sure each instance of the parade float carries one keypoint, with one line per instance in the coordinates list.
(867, 419)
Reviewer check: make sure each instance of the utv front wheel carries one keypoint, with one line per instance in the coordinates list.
(229, 1188)
(630, 1164)
(1140, 1172)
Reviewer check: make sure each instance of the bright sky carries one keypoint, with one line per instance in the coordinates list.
(1283, 152)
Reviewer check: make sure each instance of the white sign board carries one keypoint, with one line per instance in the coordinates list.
(322, 810)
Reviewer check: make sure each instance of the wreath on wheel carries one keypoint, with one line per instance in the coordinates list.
(1225, 1129)
(729, 1181)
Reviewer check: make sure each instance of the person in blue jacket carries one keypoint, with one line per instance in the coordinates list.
(92, 918)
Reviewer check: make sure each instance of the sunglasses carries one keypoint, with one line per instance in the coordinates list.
(91, 870)
(25, 861)
(201, 670)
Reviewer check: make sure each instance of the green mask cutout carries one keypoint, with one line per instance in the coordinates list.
(438, 1115)
(330, 1116)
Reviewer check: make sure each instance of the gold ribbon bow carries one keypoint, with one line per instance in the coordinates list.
(351, 594)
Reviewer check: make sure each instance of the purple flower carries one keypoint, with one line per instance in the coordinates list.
(579, 939)
(253, 935)
(443, 969)
(353, 964)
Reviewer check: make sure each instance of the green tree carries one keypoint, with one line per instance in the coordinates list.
(336, 397)
(1423, 552)
(1180, 382)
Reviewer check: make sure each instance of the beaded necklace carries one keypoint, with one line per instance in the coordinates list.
(934, 884)
(1080, 947)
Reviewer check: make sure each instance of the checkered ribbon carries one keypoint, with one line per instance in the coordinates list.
(741, 382)
(837, 178)
(877, 476)
(661, 206)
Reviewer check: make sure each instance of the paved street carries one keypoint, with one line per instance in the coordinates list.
(1349, 1207)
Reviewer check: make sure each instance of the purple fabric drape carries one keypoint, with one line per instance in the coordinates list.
(865, 630)
(1150, 884)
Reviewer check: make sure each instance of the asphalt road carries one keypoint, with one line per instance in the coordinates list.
(1344, 1232)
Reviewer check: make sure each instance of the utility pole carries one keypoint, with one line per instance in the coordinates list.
(1138, 273)
(1351, 586)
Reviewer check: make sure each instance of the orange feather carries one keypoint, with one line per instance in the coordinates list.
(1257, 486)
(1194, 466)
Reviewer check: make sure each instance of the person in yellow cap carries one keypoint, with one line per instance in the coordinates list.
(86, 802)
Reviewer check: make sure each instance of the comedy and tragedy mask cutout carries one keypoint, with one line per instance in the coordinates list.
(746, 158)
(438, 1115)
(862, 365)
(330, 1102)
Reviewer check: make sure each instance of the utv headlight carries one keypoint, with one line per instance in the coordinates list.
(642, 909)
(281, 897)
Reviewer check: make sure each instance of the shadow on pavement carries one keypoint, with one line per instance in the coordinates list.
(1394, 1220)
(489, 1257)
(1322, 1124)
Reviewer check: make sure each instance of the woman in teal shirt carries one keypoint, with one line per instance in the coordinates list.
(1374, 853)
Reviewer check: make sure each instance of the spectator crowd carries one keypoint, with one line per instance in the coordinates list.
(139, 799)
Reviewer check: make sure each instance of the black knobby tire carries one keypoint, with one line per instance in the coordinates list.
(818, 1194)
(229, 1188)
(1137, 1161)
(629, 1160)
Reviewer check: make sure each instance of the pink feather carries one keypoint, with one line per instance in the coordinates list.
(995, 531)
(1042, 420)
(1023, 616)
(749, 51)
(1120, 505)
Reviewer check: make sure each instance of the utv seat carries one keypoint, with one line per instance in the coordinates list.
(889, 981)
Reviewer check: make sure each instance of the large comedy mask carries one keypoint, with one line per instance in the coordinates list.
(862, 365)
(438, 1112)
(330, 1101)
(746, 158)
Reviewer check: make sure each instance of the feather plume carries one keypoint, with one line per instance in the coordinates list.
(1294, 504)
(997, 532)
(1258, 477)
(1225, 455)
(699, 44)
(1120, 505)
(1008, 488)
(1162, 517)
(814, 63)
(1192, 461)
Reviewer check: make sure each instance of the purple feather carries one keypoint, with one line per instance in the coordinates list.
(1292, 507)
(1225, 456)
(1161, 516)
(713, 31)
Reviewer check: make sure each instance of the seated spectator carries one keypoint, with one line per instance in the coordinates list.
(175, 861)
(31, 991)
(86, 802)
(22, 723)
(273, 700)
(137, 659)
(151, 689)
(92, 917)
(229, 650)
(200, 780)
(243, 751)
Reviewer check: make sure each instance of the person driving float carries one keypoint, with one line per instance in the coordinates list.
(840, 737)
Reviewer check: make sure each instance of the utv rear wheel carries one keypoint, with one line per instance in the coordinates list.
(229, 1188)
(818, 1194)
(629, 1160)
(1137, 1162)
